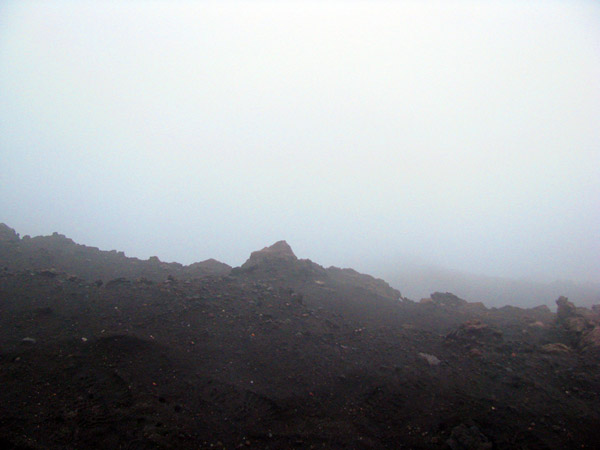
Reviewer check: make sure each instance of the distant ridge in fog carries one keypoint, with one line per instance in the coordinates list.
(414, 281)
(418, 281)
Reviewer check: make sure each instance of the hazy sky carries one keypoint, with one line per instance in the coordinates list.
(459, 133)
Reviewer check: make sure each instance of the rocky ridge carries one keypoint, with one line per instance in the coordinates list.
(279, 353)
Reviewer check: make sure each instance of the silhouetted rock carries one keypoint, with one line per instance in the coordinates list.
(542, 309)
(447, 299)
(570, 319)
(278, 252)
(7, 234)
(209, 267)
(565, 309)
(580, 325)
(90, 263)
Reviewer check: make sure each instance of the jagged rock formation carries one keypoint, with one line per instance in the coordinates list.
(360, 295)
(278, 252)
(277, 264)
(7, 234)
(64, 255)
(582, 327)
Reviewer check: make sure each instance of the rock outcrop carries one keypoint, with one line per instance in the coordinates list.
(278, 251)
(581, 328)
(62, 254)
(361, 296)
(7, 234)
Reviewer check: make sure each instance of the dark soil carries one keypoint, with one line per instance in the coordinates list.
(241, 361)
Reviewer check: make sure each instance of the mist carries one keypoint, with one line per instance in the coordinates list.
(374, 135)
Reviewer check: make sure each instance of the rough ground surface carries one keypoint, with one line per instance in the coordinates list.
(282, 353)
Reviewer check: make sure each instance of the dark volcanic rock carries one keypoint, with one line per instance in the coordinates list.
(591, 339)
(447, 299)
(582, 329)
(277, 253)
(468, 438)
(476, 331)
(286, 354)
(209, 267)
(7, 234)
(278, 263)
(352, 278)
(572, 318)
(565, 309)
(90, 263)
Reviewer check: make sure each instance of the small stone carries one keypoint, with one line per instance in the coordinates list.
(475, 352)
(432, 360)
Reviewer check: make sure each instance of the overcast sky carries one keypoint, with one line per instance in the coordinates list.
(464, 134)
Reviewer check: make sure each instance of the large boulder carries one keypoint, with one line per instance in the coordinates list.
(566, 309)
(583, 330)
(570, 319)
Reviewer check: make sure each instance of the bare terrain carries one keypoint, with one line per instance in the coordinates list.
(99, 351)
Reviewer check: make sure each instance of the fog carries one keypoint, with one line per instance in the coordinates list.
(461, 134)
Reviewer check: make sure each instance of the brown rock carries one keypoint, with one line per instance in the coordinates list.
(278, 251)
(576, 324)
(591, 339)
(565, 309)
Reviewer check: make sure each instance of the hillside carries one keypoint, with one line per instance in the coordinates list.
(419, 281)
(278, 353)
(60, 253)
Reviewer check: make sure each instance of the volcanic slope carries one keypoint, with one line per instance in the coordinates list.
(61, 253)
(280, 353)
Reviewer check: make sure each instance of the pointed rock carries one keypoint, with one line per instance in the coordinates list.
(279, 251)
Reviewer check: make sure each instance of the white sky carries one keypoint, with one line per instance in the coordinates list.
(365, 133)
